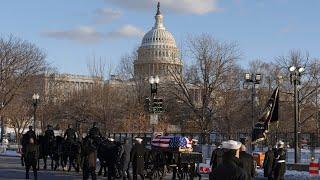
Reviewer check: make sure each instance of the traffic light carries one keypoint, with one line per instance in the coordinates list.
(157, 105)
(147, 104)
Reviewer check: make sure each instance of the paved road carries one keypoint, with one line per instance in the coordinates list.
(10, 168)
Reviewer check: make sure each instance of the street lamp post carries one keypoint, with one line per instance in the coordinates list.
(253, 80)
(35, 101)
(154, 81)
(2, 122)
(295, 79)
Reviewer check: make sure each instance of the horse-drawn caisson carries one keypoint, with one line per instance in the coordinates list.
(171, 154)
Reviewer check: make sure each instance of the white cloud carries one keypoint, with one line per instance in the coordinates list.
(198, 7)
(106, 15)
(126, 31)
(84, 34)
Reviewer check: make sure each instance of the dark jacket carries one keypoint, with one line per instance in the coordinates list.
(49, 134)
(247, 162)
(94, 132)
(32, 154)
(216, 158)
(125, 156)
(70, 134)
(229, 169)
(268, 163)
(137, 158)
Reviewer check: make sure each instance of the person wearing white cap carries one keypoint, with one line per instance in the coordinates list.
(137, 159)
(230, 168)
(280, 158)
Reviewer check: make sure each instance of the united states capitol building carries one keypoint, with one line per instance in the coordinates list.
(158, 53)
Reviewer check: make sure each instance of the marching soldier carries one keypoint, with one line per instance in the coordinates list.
(137, 159)
(112, 158)
(125, 159)
(247, 162)
(280, 162)
(230, 168)
(216, 157)
(268, 163)
(31, 158)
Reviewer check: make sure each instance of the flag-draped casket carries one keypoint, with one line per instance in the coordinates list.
(171, 143)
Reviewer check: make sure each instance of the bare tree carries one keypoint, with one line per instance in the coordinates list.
(19, 62)
(213, 61)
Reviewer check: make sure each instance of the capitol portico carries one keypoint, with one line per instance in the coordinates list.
(158, 53)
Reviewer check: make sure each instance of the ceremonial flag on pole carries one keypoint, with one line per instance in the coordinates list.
(269, 115)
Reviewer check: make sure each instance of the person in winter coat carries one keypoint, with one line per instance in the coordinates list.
(216, 157)
(247, 162)
(268, 163)
(31, 158)
(125, 159)
(280, 162)
(89, 157)
(230, 168)
(137, 159)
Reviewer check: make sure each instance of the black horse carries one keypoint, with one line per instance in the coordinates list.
(58, 152)
(72, 155)
(46, 150)
(24, 141)
(109, 157)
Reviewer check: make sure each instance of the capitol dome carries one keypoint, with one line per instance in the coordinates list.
(158, 53)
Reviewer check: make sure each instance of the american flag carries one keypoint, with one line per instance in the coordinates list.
(171, 142)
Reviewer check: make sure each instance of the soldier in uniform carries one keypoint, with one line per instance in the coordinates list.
(216, 157)
(231, 167)
(280, 162)
(247, 162)
(31, 133)
(31, 158)
(268, 163)
(137, 159)
(125, 159)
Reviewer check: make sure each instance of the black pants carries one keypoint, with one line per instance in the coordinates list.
(34, 168)
(111, 171)
(279, 171)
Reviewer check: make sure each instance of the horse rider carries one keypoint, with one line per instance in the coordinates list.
(31, 134)
(49, 133)
(70, 134)
(94, 133)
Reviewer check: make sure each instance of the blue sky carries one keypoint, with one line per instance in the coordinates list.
(72, 31)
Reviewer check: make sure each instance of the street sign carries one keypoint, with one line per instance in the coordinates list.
(153, 119)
